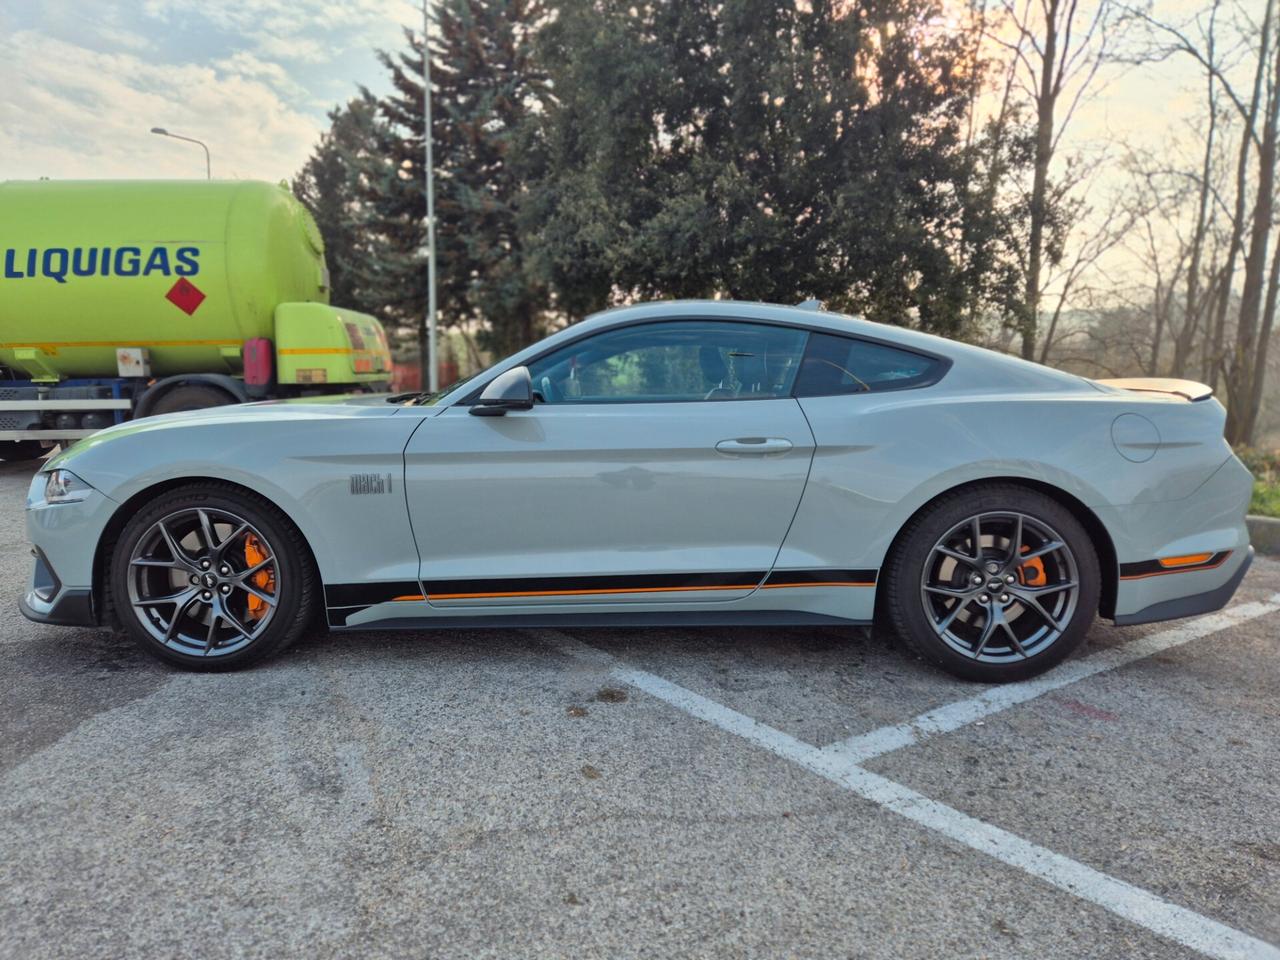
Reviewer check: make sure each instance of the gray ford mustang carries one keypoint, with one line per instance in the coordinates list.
(671, 463)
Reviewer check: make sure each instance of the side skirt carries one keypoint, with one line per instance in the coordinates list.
(692, 618)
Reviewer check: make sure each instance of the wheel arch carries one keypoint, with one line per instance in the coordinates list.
(1093, 525)
(129, 508)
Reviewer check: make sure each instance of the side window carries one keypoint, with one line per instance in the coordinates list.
(673, 361)
(834, 365)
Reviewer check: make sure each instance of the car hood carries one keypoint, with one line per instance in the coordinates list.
(261, 413)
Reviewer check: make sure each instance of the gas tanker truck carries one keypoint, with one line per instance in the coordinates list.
(122, 299)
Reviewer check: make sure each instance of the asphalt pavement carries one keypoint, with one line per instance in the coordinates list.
(801, 792)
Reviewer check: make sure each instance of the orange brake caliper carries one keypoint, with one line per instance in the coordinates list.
(264, 579)
(1031, 572)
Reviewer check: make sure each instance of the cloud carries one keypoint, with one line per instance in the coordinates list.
(253, 78)
(306, 31)
(248, 66)
(69, 111)
(119, 37)
(297, 49)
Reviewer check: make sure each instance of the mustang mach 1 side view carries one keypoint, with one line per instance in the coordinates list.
(670, 463)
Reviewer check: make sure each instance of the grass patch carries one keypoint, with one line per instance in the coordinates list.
(1266, 499)
(1265, 467)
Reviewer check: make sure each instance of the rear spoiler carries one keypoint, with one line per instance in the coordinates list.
(1186, 389)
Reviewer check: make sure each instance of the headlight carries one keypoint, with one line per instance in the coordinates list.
(63, 486)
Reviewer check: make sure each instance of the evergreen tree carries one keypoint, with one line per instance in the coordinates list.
(325, 187)
(483, 85)
(761, 149)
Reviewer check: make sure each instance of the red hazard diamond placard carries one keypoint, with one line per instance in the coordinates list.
(185, 295)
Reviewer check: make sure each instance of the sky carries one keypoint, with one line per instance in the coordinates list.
(82, 83)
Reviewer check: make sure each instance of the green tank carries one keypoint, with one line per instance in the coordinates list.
(187, 270)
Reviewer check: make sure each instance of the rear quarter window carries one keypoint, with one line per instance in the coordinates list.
(835, 365)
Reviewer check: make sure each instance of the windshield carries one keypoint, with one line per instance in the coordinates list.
(428, 398)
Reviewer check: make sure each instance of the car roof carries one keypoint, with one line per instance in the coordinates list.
(731, 310)
(979, 366)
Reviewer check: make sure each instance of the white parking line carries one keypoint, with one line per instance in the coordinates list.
(865, 746)
(1139, 906)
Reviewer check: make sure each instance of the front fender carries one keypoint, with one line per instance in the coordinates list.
(302, 461)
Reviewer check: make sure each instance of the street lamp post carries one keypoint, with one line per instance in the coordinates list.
(433, 371)
(208, 165)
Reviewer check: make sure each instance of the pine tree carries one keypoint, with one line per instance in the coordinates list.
(483, 83)
(325, 187)
(762, 149)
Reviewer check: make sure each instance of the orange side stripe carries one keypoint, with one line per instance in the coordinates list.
(1185, 561)
(408, 596)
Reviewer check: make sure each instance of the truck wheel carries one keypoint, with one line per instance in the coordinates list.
(212, 577)
(191, 396)
(19, 450)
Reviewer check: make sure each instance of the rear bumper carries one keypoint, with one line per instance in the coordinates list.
(1210, 522)
(1192, 606)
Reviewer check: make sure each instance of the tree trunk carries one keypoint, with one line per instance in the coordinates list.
(1162, 310)
(1264, 339)
(1252, 343)
(1214, 354)
(1046, 100)
(1242, 414)
(1191, 312)
(424, 352)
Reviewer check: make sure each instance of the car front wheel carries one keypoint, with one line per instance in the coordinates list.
(212, 577)
(993, 583)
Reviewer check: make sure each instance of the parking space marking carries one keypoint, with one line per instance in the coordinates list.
(1141, 907)
(866, 746)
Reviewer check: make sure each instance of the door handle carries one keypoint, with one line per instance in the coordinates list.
(760, 446)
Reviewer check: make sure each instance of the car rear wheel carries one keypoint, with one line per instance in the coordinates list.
(993, 583)
(211, 577)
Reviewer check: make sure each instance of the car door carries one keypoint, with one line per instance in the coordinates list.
(663, 462)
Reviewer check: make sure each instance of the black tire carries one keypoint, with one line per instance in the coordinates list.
(17, 451)
(294, 582)
(191, 396)
(916, 603)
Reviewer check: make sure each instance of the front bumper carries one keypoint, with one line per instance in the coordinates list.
(48, 601)
(66, 537)
(72, 608)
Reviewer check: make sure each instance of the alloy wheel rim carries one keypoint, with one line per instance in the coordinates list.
(203, 582)
(1000, 587)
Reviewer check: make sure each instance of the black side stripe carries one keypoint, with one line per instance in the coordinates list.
(366, 594)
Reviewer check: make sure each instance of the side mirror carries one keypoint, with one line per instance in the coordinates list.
(512, 390)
